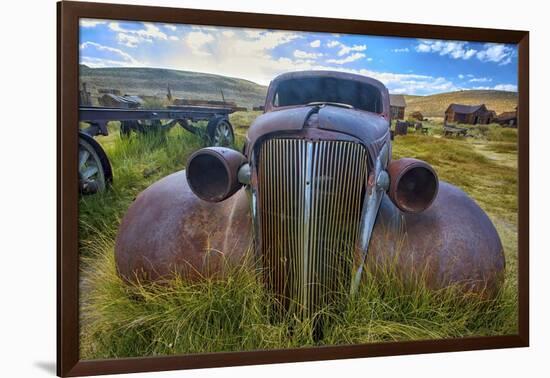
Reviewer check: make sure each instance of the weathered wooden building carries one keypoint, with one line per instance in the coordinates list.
(469, 114)
(509, 119)
(397, 106)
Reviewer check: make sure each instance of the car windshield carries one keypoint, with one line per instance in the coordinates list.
(329, 90)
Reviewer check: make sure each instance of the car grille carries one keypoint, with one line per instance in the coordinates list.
(310, 198)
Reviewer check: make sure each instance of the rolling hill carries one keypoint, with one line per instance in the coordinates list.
(183, 84)
(435, 105)
(195, 85)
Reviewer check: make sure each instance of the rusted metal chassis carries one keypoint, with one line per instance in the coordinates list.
(97, 117)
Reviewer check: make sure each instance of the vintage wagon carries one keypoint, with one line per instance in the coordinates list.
(94, 168)
(317, 198)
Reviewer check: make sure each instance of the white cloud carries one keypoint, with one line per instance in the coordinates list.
(422, 47)
(151, 31)
(411, 83)
(491, 52)
(117, 54)
(348, 59)
(272, 39)
(197, 40)
(316, 43)
(128, 40)
(253, 33)
(102, 63)
(245, 53)
(205, 28)
(500, 87)
(455, 49)
(89, 23)
(228, 33)
(403, 50)
(345, 49)
(461, 76)
(173, 38)
(305, 55)
(480, 80)
(132, 37)
(170, 27)
(497, 53)
(506, 87)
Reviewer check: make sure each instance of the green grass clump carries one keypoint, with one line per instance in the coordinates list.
(494, 133)
(242, 120)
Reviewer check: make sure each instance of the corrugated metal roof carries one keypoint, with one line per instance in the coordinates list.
(398, 100)
(465, 109)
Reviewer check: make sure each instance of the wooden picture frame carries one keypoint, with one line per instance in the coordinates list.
(69, 13)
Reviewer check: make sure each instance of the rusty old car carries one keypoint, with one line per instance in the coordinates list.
(317, 199)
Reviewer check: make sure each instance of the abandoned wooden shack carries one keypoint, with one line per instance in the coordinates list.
(509, 119)
(469, 114)
(417, 116)
(397, 106)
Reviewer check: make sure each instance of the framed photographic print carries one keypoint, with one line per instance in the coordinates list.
(238, 188)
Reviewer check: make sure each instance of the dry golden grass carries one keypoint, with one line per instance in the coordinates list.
(435, 105)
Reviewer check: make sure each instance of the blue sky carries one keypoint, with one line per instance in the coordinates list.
(404, 65)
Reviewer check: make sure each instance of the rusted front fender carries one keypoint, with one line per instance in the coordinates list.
(452, 242)
(168, 229)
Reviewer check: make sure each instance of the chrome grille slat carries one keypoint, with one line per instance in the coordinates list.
(309, 209)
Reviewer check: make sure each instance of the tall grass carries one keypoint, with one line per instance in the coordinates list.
(237, 313)
(125, 320)
(137, 162)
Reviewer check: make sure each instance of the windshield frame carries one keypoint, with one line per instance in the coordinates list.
(274, 86)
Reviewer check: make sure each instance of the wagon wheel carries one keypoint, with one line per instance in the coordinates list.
(94, 169)
(220, 132)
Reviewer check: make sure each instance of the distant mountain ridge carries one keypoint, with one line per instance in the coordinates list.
(182, 84)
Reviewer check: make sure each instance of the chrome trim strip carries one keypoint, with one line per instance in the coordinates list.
(371, 204)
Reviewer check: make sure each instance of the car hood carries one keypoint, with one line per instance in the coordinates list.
(370, 128)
